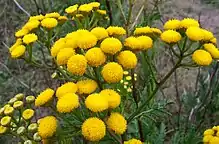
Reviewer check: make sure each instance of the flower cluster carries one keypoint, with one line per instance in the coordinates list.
(211, 135)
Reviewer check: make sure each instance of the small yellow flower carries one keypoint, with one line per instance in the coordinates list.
(188, 22)
(117, 123)
(68, 87)
(156, 31)
(112, 72)
(47, 127)
(95, 4)
(57, 46)
(17, 43)
(72, 9)
(30, 38)
(133, 141)
(86, 39)
(128, 78)
(195, 33)
(172, 24)
(145, 42)
(95, 57)
(96, 103)
(8, 110)
(3, 129)
(202, 57)
(30, 99)
(102, 12)
(52, 15)
(207, 138)
(111, 45)
(67, 103)
(21, 32)
(127, 59)
(100, 33)
(85, 8)
(115, 31)
(132, 43)
(77, 64)
(86, 86)
(143, 31)
(12, 100)
(112, 96)
(207, 35)
(49, 23)
(170, 36)
(125, 72)
(44, 97)
(37, 17)
(28, 114)
(212, 50)
(18, 51)
(214, 40)
(18, 104)
(93, 129)
(63, 55)
(31, 25)
(6, 120)
(62, 19)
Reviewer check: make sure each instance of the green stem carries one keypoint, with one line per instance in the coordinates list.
(97, 78)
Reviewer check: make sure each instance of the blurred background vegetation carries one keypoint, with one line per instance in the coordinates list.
(191, 96)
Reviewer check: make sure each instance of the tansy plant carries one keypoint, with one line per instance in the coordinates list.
(98, 67)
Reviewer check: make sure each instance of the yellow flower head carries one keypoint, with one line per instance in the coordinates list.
(100, 33)
(71, 40)
(111, 45)
(49, 23)
(77, 64)
(127, 59)
(115, 31)
(207, 35)
(95, 57)
(172, 24)
(214, 140)
(30, 38)
(112, 96)
(117, 123)
(17, 43)
(145, 42)
(195, 33)
(170, 36)
(67, 103)
(95, 4)
(207, 138)
(18, 104)
(86, 39)
(85, 8)
(213, 40)
(63, 55)
(68, 87)
(8, 110)
(202, 57)
(72, 9)
(102, 12)
(209, 132)
(62, 19)
(21, 32)
(47, 127)
(143, 31)
(133, 43)
(86, 86)
(18, 51)
(6, 120)
(156, 31)
(96, 103)
(58, 45)
(212, 50)
(52, 15)
(44, 97)
(112, 72)
(3, 129)
(93, 129)
(188, 22)
(28, 114)
(133, 141)
(37, 17)
(33, 24)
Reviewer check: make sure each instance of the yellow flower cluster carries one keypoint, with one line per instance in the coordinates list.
(211, 136)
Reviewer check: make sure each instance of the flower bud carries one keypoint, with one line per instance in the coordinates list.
(6, 120)
(28, 114)
(18, 104)
(21, 130)
(8, 110)
(28, 142)
(30, 99)
(32, 127)
(12, 100)
(19, 96)
(3, 129)
(36, 137)
(2, 110)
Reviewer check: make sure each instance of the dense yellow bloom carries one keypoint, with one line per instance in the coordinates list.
(33, 24)
(172, 24)
(213, 40)
(86, 39)
(30, 38)
(195, 33)
(8, 110)
(95, 4)
(156, 31)
(86, 86)
(170, 36)
(77, 64)
(100, 33)
(28, 114)
(52, 15)
(72, 9)
(145, 42)
(207, 35)
(115, 30)
(96, 103)
(47, 127)
(127, 59)
(44, 97)
(188, 22)
(71, 40)
(133, 141)
(143, 31)
(209, 132)
(37, 17)
(117, 123)
(111, 45)
(93, 129)
(85, 8)
(17, 43)
(67, 103)
(112, 72)
(202, 57)
(207, 138)
(3, 129)
(18, 51)
(95, 57)
(59, 44)
(102, 12)
(112, 96)
(68, 87)
(6, 120)
(212, 50)
(133, 43)
(21, 32)
(214, 140)
(63, 55)
(49, 23)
